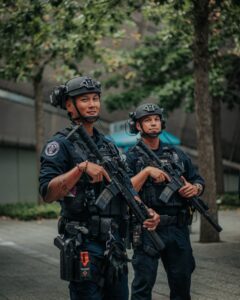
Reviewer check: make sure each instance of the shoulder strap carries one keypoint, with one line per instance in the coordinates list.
(78, 144)
(64, 131)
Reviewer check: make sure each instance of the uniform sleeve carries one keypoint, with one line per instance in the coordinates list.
(190, 172)
(55, 160)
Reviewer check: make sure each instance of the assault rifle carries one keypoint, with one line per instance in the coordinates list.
(175, 183)
(120, 185)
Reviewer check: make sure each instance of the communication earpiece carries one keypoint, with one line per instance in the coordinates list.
(58, 95)
(132, 123)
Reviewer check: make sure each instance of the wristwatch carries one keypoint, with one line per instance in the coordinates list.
(199, 188)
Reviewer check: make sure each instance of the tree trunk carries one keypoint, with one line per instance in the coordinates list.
(204, 122)
(218, 147)
(39, 118)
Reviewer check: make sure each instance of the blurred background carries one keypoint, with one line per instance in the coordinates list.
(183, 55)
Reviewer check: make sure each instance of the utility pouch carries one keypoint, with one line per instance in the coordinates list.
(67, 266)
(95, 226)
(105, 227)
(124, 227)
(136, 235)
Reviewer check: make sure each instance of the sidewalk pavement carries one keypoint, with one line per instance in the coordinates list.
(29, 263)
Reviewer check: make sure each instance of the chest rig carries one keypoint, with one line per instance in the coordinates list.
(151, 191)
(81, 205)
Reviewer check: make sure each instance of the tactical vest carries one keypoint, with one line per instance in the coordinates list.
(81, 205)
(151, 191)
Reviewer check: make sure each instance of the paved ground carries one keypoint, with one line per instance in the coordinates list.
(29, 265)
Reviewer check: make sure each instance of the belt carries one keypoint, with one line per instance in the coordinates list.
(181, 219)
(96, 228)
(166, 220)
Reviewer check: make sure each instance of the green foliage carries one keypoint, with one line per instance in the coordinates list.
(37, 33)
(30, 211)
(230, 200)
(161, 63)
(119, 101)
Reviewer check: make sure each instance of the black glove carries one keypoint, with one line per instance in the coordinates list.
(116, 262)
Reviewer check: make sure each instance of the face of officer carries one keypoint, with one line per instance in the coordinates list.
(87, 104)
(150, 124)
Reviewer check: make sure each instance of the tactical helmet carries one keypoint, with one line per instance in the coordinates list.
(74, 87)
(144, 110)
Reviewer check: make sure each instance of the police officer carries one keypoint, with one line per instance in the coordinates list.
(93, 256)
(175, 215)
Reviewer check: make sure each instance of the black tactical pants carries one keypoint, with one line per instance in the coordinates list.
(91, 289)
(177, 260)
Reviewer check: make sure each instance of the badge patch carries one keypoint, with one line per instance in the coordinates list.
(52, 149)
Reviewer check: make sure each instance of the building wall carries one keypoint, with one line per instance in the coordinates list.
(18, 175)
(231, 182)
(18, 161)
(183, 125)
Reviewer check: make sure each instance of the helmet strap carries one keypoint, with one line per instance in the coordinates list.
(80, 116)
(148, 135)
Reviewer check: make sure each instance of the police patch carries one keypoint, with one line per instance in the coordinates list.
(52, 149)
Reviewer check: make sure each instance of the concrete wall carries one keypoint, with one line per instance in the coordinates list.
(18, 161)
(18, 175)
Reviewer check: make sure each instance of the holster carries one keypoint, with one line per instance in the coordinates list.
(69, 262)
(71, 269)
(76, 265)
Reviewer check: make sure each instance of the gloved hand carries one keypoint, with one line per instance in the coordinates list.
(116, 261)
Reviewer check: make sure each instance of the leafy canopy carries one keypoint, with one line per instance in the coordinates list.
(38, 32)
(160, 64)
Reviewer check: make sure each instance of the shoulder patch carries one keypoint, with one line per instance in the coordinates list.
(52, 148)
